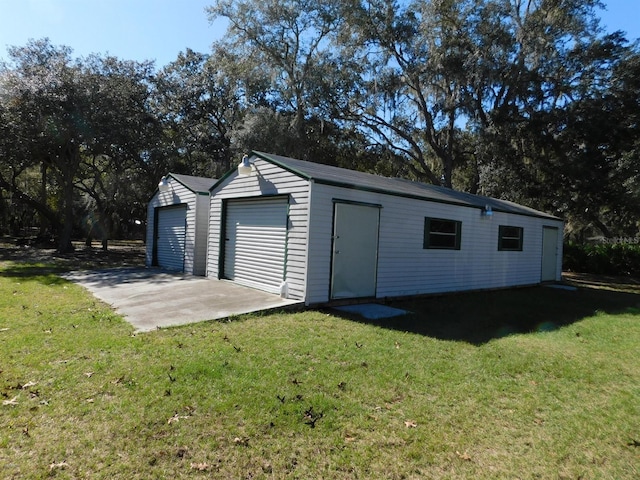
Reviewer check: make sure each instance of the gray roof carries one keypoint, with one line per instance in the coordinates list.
(330, 175)
(200, 185)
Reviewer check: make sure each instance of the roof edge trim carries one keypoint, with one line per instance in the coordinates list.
(197, 192)
(427, 199)
(268, 158)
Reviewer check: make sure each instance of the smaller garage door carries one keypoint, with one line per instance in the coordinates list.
(255, 242)
(170, 238)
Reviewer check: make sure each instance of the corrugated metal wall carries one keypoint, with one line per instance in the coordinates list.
(406, 268)
(201, 237)
(256, 242)
(171, 233)
(268, 180)
(195, 232)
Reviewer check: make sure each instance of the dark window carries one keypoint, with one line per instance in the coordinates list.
(510, 238)
(441, 233)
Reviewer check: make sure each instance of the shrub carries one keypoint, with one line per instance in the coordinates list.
(603, 258)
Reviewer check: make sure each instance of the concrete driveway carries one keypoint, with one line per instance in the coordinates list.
(151, 298)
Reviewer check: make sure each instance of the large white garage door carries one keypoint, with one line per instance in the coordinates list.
(172, 226)
(255, 242)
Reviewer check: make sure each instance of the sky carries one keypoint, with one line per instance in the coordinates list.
(160, 29)
(128, 29)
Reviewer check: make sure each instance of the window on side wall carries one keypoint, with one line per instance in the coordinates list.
(510, 238)
(442, 234)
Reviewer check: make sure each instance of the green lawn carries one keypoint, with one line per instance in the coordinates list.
(530, 383)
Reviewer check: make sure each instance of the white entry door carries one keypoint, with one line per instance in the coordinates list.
(549, 254)
(354, 262)
(170, 238)
(256, 241)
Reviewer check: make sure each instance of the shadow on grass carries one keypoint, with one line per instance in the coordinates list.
(45, 264)
(42, 273)
(52, 274)
(479, 317)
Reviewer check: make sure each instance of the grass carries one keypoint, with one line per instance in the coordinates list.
(529, 383)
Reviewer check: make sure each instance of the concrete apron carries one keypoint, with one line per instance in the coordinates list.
(150, 298)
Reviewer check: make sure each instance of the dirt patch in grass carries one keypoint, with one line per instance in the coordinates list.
(615, 283)
(121, 253)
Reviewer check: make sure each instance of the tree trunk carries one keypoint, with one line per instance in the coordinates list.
(106, 228)
(106, 235)
(43, 196)
(447, 167)
(64, 241)
(600, 226)
(69, 164)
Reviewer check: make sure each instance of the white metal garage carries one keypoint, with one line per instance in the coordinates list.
(177, 224)
(255, 242)
(337, 234)
(170, 238)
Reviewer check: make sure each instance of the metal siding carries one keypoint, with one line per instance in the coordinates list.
(150, 240)
(201, 234)
(178, 194)
(406, 268)
(255, 242)
(172, 227)
(560, 250)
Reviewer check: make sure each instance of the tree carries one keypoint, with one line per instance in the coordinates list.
(581, 159)
(24, 189)
(39, 99)
(570, 150)
(282, 49)
(406, 67)
(424, 70)
(63, 115)
(197, 103)
(123, 128)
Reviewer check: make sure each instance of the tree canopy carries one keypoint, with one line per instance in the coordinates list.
(527, 100)
(81, 123)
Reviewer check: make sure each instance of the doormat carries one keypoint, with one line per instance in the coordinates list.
(372, 311)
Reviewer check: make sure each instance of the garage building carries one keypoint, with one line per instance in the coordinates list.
(317, 233)
(177, 224)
